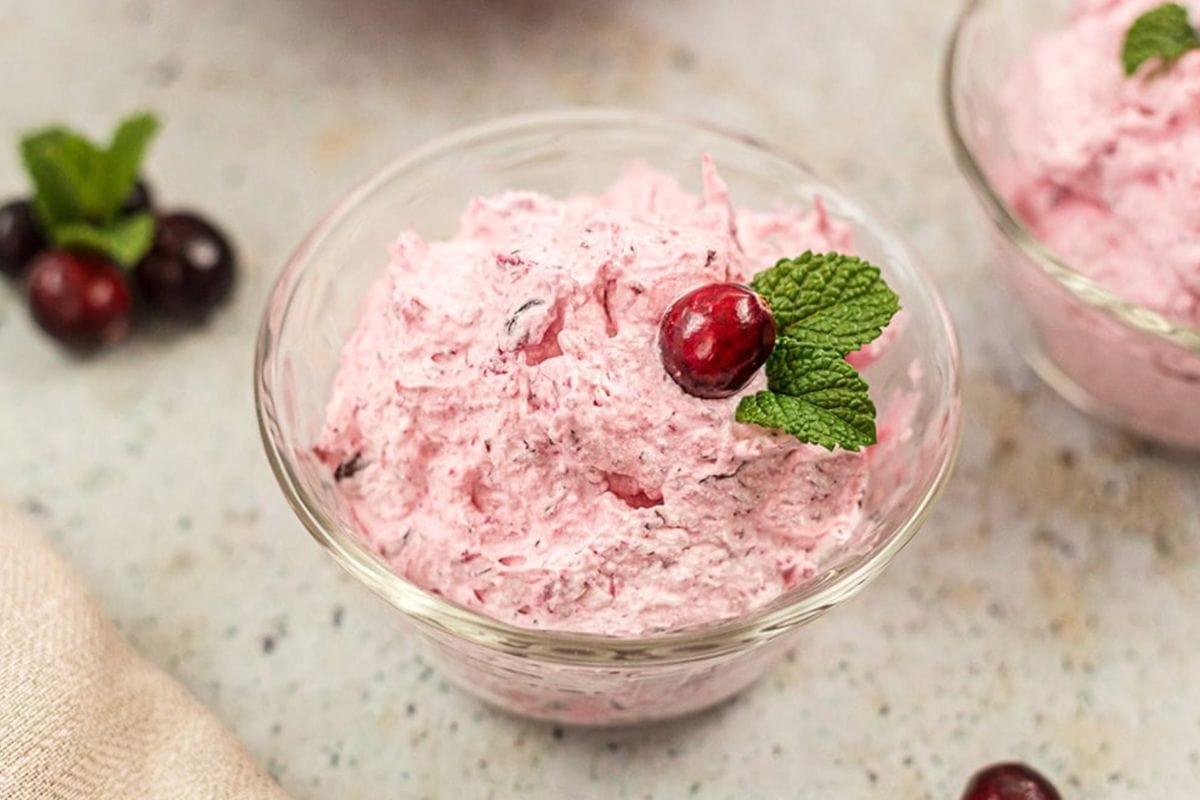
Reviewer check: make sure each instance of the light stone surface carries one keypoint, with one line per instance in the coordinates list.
(1048, 611)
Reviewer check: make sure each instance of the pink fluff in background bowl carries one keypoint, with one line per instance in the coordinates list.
(1090, 177)
(329, 336)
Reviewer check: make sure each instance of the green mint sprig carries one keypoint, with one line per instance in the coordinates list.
(79, 188)
(1163, 32)
(829, 300)
(826, 306)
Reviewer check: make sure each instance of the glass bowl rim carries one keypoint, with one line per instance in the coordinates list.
(1133, 316)
(588, 649)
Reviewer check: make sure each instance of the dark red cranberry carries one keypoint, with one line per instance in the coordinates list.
(20, 237)
(80, 299)
(140, 199)
(713, 339)
(1010, 782)
(189, 270)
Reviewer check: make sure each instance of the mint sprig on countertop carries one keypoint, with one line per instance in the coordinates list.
(80, 187)
(1163, 32)
(826, 306)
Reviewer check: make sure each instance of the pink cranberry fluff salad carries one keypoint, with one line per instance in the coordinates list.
(1106, 165)
(506, 436)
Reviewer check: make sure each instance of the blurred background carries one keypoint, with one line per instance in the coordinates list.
(1011, 627)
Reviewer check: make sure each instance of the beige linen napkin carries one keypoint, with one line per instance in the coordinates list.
(82, 717)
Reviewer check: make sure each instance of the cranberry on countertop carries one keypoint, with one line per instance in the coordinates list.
(140, 199)
(189, 270)
(20, 237)
(1010, 782)
(714, 338)
(79, 298)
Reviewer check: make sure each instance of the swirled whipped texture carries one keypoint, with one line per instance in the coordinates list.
(1106, 168)
(505, 435)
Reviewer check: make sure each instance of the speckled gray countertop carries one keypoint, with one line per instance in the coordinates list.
(1048, 611)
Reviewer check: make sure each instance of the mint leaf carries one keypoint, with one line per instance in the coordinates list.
(830, 301)
(124, 156)
(67, 172)
(826, 306)
(814, 395)
(77, 182)
(124, 241)
(1163, 32)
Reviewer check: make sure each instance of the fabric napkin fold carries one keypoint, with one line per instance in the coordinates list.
(82, 717)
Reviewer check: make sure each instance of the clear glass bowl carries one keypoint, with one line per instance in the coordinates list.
(591, 679)
(1111, 358)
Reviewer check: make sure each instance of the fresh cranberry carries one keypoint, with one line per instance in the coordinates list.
(140, 199)
(80, 299)
(189, 270)
(20, 237)
(713, 339)
(1009, 782)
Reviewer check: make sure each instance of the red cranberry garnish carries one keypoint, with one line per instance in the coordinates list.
(80, 299)
(1010, 782)
(189, 270)
(20, 237)
(713, 339)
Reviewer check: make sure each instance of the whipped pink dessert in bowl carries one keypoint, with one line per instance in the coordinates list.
(1077, 122)
(481, 385)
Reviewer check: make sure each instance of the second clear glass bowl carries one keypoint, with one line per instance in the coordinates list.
(1112, 358)
(591, 679)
